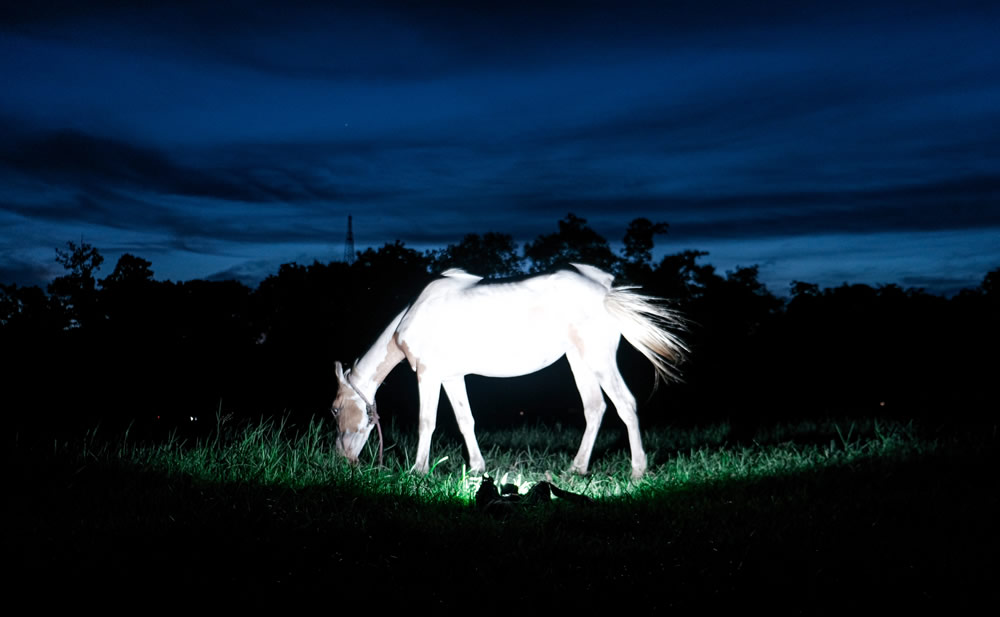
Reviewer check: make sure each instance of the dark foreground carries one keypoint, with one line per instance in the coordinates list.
(919, 536)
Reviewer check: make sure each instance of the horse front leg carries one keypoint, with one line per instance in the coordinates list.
(455, 389)
(430, 392)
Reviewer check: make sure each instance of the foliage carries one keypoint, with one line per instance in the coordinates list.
(76, 291)
(574, 242)
(81, 261)
(639, 239)
(638, 243)
(490, 255)
(25, 310)
(129, 272)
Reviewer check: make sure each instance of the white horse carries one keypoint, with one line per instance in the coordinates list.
(457, 327)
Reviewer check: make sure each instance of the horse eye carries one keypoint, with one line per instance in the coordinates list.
(336, 411)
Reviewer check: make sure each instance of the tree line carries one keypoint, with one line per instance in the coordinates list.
(130, 347)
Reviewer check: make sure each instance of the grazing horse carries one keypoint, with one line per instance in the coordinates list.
(458, 327)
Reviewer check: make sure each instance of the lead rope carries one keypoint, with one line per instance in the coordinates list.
(373, 410)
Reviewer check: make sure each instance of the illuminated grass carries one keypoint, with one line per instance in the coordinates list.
(268, 453)
(802, 516)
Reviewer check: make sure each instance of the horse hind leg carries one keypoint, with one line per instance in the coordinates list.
(455, 389)
(593, 410)
(624, 403)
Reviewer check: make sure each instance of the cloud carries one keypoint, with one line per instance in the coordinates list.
(76, 160)
(954, 204)
(17, 270)
(250, 273)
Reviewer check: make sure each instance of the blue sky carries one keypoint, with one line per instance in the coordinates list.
(857, 142)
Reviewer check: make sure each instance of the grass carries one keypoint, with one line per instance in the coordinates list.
(799, 517)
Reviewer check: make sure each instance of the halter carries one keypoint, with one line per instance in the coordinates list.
(372, 411)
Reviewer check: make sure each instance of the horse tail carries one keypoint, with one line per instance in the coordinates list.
(650, 327)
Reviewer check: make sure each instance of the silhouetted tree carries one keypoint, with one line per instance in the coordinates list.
(25, 311)
(680, 278)
(638, 250)
(388, 279)
(574, 242)
(11, 305)
(76, 292)
(800, 289)
(749, 298)
(639, 239)
(129, 272)
(491, 255)
(393, 260)
(301, 304)
(135, 345)
(133, 303)
(991, 283)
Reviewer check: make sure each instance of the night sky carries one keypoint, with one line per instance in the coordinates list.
(826, 142)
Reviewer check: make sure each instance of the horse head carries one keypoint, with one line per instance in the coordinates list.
(355, 416)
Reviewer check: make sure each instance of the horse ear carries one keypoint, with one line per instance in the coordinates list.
(340, 371)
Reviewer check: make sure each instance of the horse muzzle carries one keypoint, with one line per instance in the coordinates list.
(349, 445)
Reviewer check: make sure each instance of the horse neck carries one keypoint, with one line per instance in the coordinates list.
(372, 368)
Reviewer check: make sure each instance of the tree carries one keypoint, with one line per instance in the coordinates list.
(679, 277)
(75, 292)
(24, 309)
(748, 300)
(81, 261)
(131, 300)
(638, 250)
(800, 289)
(130, 271)
(991, 283)
(492, 255)
(639, 239)
(574, 242)
(393, 261)
(389, 279)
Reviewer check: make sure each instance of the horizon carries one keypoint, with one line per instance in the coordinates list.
(658, 255)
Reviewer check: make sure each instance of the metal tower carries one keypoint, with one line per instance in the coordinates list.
(349, 243)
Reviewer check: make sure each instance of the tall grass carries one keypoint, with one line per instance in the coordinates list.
(270, 453)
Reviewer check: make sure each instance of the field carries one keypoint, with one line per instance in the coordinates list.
(808, 517)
